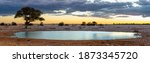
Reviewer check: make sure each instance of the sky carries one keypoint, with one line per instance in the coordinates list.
(77, 11)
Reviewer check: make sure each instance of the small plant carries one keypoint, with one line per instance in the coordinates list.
(61, 24)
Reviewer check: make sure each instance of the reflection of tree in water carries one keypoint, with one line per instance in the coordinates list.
(26, 34)
(102, 36)
(95, 36)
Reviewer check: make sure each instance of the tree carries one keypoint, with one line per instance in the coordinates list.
(83, 23)
(2, 24)
(13, 23)
(61, 24)
(94, 23)
(29, 14)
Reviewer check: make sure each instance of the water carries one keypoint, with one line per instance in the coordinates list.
(76, 35)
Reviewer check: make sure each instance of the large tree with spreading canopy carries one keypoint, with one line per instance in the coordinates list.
(29, 14)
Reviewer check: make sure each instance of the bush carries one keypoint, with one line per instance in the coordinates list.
(13, 23)
(61, 24)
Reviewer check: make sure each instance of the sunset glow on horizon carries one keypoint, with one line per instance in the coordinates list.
(68, 19)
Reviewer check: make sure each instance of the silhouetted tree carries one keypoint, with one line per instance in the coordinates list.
(61, 24)
(94, 23)
(14, 23)
(29, 14)
(2, 24)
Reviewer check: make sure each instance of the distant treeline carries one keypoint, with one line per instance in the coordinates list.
(89, 23)
(131, 23)
(8, 24)
(94, 23)
(82, 24)
(15, 24)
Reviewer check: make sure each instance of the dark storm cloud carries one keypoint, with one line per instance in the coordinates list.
(144, 2)
(143, 10)
(98, 9)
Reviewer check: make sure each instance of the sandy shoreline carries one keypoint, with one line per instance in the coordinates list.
(7, 31)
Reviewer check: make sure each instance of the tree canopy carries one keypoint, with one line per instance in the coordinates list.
(29, 14)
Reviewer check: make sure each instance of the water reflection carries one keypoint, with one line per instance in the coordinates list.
(77, 35)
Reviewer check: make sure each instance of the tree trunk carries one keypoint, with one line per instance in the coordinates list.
(26, 24)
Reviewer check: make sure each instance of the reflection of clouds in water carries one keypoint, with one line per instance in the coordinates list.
(113, 35)
(121, 34)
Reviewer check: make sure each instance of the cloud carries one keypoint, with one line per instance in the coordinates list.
(37, 2)
(85, 13)
(142, 7)
(144, 2)
(95, 8)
